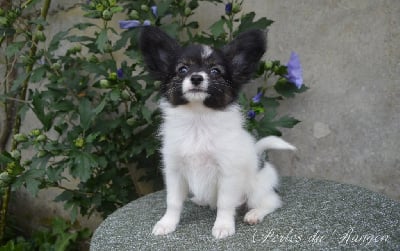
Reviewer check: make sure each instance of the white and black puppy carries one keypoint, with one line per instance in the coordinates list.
(206, 151)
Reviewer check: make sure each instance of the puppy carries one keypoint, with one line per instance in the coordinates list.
(206, 151)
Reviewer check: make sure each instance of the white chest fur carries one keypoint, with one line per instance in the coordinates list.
(204, 144)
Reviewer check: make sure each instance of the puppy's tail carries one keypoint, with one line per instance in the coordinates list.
(273, 142)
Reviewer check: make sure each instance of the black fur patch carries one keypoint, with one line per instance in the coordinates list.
(227, 69)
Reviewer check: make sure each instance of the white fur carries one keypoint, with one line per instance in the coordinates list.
(206, 52)
(207, 153)
(188, 87)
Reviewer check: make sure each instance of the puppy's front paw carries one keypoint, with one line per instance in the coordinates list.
(254, 216)
(221, 231)
(164, 227)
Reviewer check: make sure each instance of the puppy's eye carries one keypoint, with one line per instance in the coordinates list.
(215, 71)
(183, 69)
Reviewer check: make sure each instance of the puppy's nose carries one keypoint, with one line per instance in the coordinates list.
(196, 79)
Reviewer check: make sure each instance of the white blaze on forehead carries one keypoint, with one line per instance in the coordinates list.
(206, 51)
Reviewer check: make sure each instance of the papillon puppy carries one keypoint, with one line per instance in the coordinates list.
(206, 151)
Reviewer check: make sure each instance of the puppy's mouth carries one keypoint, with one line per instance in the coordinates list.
(196, 90)
(196, 94)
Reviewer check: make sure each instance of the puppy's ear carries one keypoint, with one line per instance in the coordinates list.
(159, 51)
(244, 53)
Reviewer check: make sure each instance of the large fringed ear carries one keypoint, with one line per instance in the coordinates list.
(159, 51)
(244, 54)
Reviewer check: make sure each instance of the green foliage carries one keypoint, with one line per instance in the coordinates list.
(97, 111)
(60, 236)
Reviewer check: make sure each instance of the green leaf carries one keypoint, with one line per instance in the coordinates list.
(247, 23)
(218, 28)
(102, 40)
(116, 9)
(100, 107)
(55, 42)
(163, 7)
(38, 107)
(286, 122)
(82, 164)
(83, 26)
(14, 48)
(287, 89)
(37, 74)
(85, 113)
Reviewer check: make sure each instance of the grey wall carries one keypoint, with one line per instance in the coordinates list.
(350, 52)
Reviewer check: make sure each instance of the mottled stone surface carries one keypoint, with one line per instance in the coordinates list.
(317, 215)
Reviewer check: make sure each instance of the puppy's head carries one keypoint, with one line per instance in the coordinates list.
(199, 73)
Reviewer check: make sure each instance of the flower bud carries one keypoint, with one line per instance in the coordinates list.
(41, 153)
(79, 142)
(236, 8)
(39, 36)
(131, 121)
(56, 66)
(268, 65)
(112, 76)
(93, 59)
(99, 7)
(16, 154)
(107, 15)
(35, 132)
(144, 7)
(41, 138)
(134, 14)
(20, 138)
(104, 83)
(188, 11)
(5, 177)
(125, 95)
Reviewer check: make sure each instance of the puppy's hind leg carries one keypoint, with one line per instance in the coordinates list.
(262, 198)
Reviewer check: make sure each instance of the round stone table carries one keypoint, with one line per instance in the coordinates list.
(316, 215)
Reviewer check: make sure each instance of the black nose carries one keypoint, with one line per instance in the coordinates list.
(196, 79)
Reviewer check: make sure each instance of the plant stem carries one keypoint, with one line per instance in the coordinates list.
(17, 124)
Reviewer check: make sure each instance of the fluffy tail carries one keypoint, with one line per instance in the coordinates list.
(273, 142)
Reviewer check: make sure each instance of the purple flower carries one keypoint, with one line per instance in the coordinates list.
(295, 72)
(146, 23)
(257, 98)
(154, 10)
(251, 114)
(228, 9)
(120, 73)
(127, 24)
